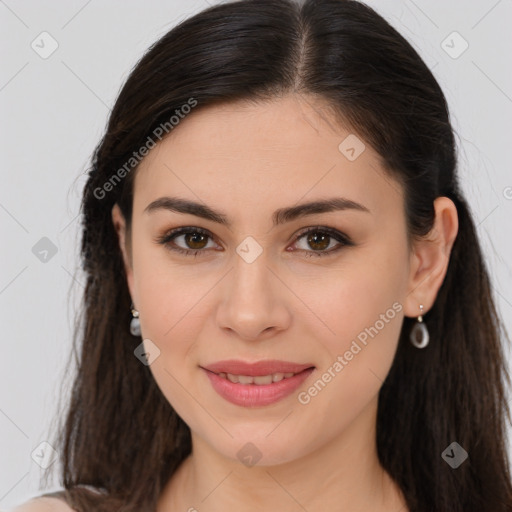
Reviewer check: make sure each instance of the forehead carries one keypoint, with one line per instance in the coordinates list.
(246, 155)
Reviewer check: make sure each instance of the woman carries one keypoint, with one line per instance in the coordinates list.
(287, 307)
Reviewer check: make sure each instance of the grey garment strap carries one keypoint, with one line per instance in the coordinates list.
(56, 494)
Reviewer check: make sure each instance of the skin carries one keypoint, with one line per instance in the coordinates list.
(248, 160)
(43, 505)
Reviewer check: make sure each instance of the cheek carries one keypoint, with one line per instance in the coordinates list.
(357, 300)
(172, 317)
(170, 292)
(364, 311)
(362, 306)
(172, 314)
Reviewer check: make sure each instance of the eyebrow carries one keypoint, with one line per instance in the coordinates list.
(280, 216)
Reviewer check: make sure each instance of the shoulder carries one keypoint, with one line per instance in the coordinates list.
(43, 505)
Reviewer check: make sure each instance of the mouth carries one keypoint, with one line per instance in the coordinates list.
(258, 380)
(256, 384)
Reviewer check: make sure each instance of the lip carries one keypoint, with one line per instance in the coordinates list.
(252, 395)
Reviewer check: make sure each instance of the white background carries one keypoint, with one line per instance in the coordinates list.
(54, 110)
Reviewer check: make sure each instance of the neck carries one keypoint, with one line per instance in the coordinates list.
(342, 474)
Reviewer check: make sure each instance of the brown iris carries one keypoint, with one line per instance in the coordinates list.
(195, 238)
(318, 239)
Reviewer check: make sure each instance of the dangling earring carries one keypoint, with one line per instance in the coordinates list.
(135, 322)
(419, 334)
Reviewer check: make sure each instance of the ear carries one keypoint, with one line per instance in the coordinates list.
(120, 226)
(430, 257)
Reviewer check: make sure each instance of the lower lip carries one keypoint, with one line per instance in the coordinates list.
(254, 395)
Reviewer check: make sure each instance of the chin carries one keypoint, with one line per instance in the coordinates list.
(254, 446)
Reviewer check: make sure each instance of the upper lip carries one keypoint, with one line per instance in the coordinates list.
(237, 367)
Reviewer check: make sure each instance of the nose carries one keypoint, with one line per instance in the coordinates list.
(254, 304)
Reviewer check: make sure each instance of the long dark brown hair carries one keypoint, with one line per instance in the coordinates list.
(120, 434)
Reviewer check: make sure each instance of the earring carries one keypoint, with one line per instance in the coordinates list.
(135, 322)
(419, 334)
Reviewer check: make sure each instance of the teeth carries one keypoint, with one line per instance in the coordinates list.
(265, 379)
(258, 380)
(232, 378)
(242, 379)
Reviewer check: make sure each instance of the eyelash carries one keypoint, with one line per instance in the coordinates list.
(343, 239)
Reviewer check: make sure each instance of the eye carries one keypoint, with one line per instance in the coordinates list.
(195, 240)
(320, 239)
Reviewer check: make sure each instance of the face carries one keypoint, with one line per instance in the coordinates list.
(320, 293)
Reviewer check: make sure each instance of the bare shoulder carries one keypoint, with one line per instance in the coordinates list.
(45, 504)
